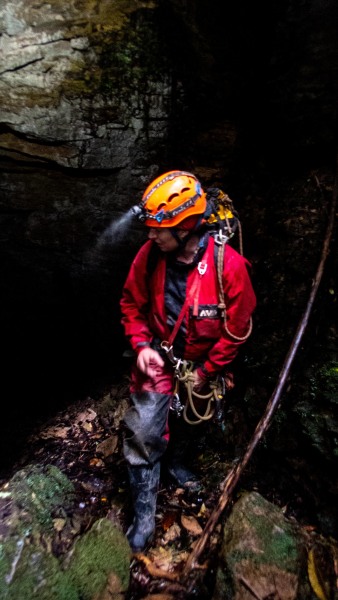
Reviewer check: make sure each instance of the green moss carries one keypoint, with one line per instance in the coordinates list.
(38, 491)
(133, 59)
(318, 407)
(28, 572)
(279, 544)
(277, 549)
(328, 381)
(101, 551)
(274, 538)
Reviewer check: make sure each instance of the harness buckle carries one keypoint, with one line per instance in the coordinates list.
(220, 238)
(202, 267)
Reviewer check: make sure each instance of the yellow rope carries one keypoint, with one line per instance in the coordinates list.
(187, 378)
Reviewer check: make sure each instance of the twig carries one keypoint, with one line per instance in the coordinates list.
(20, 544)
(233, 476)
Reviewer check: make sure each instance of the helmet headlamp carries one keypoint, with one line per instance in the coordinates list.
(138, 212)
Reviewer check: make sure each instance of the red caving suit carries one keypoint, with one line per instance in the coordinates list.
(205, 341)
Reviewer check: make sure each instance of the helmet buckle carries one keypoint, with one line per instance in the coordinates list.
(159, 217)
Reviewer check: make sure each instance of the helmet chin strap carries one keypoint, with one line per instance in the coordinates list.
(181, 241)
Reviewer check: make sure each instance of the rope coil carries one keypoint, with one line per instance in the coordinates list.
(183, 373)
(186, 377)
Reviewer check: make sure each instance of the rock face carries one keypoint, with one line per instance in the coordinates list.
(69, 88)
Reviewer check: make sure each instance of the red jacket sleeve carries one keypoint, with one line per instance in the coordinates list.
(135, 301)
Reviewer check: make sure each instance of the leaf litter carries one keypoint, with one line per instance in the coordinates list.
(85, 443)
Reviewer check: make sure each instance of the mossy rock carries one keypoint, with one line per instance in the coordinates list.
(28, 572)
(100, 556)
(38, 494)
(260, 548)
(272, 538)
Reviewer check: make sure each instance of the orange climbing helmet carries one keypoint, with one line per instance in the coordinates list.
(171, 198)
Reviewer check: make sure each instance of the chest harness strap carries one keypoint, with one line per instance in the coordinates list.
(183, 369)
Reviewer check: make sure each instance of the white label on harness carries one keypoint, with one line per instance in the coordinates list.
(206, 311)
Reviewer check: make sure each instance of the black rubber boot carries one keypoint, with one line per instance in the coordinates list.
(184, 478)
(181, 474)
(144, 486)
(181, 452)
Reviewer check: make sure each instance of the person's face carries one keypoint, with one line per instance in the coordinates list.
(164, 238)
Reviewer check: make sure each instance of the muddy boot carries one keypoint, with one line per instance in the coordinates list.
(144, 485)
(177, 469)
(183, 476)
(181, 448)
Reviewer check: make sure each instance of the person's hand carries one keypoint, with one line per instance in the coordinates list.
(147, 361)
(199, 382)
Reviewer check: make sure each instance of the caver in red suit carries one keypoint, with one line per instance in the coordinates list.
(176, 268)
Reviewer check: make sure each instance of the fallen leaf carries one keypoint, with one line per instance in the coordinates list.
(168, 520)
(113, 589)
(155, 571)
(54, 432)
(163, 559)
(172, 533)
(191, 524)
(59, 524)
(314, 579)
(87, 426)
(203, 510)
(87, 415)
(120, 412)
(108, 446)
(96, 462)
